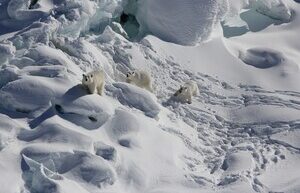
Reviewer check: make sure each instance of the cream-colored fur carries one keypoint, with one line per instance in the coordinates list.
(94, 81)
(140, 78)
(187, 91)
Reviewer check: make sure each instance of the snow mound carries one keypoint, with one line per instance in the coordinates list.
(138, 98)
(262, 57)
(45, 55)
(17, 95)
(122, 125)
(86, 110)
(52, 131)
(183, 22)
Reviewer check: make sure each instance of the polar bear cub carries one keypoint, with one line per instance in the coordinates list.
(185, 92)
(140, 78)
(94, 81)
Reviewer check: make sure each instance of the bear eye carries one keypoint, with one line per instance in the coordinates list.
(91, 76)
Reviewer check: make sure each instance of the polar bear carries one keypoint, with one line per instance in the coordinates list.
(185, 92)
(94, 81)
(140, 78)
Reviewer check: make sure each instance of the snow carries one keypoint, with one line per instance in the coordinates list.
(184, 22)
(276, 9)
(288, 138)
(239, 134)
(137, 98)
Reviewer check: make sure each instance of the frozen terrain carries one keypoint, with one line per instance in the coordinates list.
(240, 134)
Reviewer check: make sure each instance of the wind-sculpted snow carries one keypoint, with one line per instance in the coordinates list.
(262, 57)
(17, 95)
(89, 111)
(137, 98)
(124, 128)
(51, 132)
(239, 134)
(183, 22)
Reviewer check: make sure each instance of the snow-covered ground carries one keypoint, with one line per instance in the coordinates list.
(240, 134)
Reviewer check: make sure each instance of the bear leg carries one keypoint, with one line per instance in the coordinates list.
(92, 89)
(100, 89)
(189, 99)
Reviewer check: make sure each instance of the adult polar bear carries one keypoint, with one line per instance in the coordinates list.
(140, 78)
(94, 81)
(187, 91)
(185, 22)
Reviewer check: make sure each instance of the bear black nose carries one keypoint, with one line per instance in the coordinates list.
(86, 79)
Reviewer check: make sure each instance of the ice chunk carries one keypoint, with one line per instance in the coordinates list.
(8, 74)
(76, 165)
(7, 51)
(39, 178)
(275, 9)
(183, 22)
(79, 17)
(19, 9)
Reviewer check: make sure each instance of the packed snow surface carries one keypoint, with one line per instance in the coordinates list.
(241, 132)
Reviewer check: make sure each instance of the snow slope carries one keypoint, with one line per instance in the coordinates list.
(240, 134)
